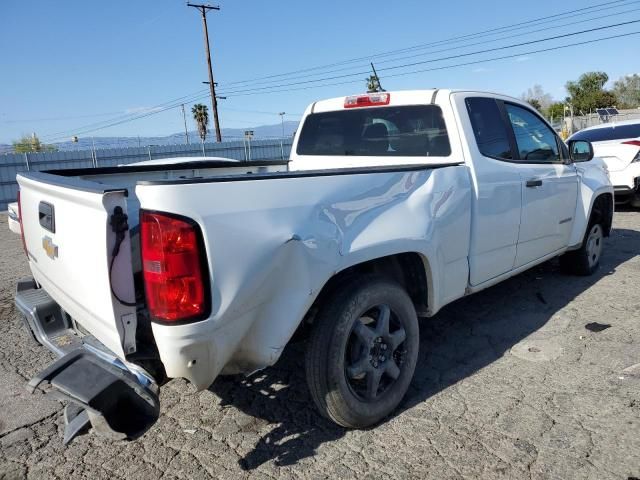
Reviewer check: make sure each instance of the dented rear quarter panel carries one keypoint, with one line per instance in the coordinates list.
(272, 244)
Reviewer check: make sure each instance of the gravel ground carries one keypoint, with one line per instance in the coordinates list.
(513, 382)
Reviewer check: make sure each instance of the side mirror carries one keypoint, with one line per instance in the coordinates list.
(580, 150)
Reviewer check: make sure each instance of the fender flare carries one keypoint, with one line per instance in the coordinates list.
(577, 235)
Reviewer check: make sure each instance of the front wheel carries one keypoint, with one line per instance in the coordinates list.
(586, 260)
(363, 352)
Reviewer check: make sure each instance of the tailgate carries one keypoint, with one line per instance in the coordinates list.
(67, 232)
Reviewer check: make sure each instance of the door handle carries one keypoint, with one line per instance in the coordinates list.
(534, 183)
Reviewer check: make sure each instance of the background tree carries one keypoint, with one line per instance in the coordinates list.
(373, 84)
(588, 93)
(538, 98)
(627, 90)
(556, 110)
(201, 116)
(535, 103)
(31, 143)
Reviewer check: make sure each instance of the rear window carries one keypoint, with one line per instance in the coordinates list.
(405, 131)
(614, 132)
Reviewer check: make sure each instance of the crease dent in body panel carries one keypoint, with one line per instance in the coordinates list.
(356, 216)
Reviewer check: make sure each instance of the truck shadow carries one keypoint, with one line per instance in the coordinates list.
(463, 338)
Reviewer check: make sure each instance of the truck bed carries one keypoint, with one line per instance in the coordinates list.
(254, 221)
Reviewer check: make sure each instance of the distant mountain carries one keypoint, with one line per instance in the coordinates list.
(260, 132)
(87, 143)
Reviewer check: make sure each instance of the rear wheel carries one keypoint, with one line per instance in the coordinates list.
(363, 352)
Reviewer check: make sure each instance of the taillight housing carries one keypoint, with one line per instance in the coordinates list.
(24, 242)
(368, 100)
(176, 278)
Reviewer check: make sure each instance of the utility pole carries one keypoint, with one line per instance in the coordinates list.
(186, 132)
(375, 74)
(282, 114)
(212, 86)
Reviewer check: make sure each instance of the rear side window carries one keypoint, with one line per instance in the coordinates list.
(405, 131)
(614, 132)
(489, 128)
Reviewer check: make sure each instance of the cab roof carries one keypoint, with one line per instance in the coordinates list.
(399, 97)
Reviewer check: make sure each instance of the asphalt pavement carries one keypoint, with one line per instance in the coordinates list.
(537, 377)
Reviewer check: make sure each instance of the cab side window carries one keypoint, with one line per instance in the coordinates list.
(536, 142)
(489, 128)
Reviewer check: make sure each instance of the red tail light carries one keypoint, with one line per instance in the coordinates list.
(369, 100)
(24, 242)
(175, 276)
(635, 143)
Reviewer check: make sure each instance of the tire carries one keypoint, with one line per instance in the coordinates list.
(362, 352)
(586, 259)
(635, 200)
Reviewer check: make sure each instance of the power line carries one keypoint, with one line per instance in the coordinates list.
(51, 119)
(401, 74)
(531, 52)
(589, 10)
(152, 110)
(265, 83)
(178, 104)
(86, 129)
(451, 57)
(269, 89)
(550, 18)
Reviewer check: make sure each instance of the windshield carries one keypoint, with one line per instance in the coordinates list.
(405, 131)
(614, 132)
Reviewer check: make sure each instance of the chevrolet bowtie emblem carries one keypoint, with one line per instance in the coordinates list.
(50, 248)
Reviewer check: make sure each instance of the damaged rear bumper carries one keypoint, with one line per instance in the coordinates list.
(120, 401)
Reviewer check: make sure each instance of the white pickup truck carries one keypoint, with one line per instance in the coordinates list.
(392, 206)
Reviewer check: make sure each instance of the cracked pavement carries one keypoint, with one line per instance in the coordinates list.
(509, 384)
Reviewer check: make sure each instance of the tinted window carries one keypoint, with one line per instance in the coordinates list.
(535, 140)
(407, 131)
(619, 132)
(488, 128)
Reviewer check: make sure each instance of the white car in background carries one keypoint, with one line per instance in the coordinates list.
(618, 145)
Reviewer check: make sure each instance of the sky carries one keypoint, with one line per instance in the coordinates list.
(73, 67)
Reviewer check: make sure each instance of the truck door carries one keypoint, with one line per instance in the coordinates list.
(497, 187)
(549, 186)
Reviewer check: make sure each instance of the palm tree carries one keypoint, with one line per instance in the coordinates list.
(201, 116)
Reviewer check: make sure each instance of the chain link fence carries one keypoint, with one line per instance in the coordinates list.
(14, 163)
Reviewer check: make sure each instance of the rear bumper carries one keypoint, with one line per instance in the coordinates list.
(626, 181)
(118, 399)
(625, 192)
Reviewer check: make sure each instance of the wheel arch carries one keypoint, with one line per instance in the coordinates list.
(602, 201)
(603, 206)
(411, 270)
